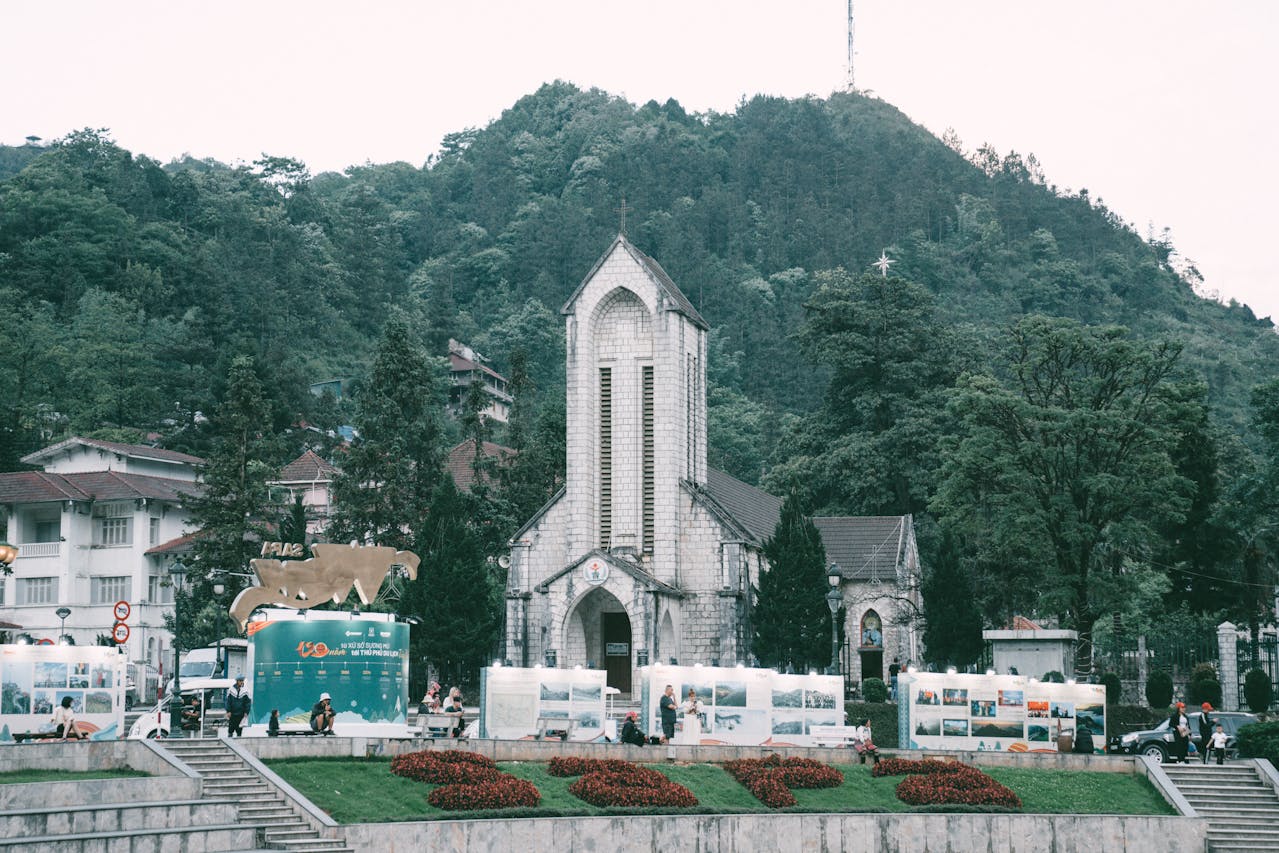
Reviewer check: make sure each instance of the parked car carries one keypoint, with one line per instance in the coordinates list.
(1157, 742)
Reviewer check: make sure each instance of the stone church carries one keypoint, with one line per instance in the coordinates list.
(648, 555)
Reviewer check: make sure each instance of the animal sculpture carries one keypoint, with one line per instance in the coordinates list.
(327, 576)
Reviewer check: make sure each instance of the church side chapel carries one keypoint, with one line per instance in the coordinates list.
(646, 555)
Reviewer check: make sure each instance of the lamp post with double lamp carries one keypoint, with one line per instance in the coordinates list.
(834, 600)
(177, 574)
(62, 613)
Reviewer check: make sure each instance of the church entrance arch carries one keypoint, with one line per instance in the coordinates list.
(598, 634)
(871, 646)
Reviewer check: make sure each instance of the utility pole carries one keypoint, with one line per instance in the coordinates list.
(852, 83)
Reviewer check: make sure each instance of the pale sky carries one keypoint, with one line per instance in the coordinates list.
(1162, 108)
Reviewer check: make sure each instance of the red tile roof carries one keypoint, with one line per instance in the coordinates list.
(175, 546)
(462, 457)
(42, 487)
(1021, 623)
(307, 468)
(458, 364)
(138, 451)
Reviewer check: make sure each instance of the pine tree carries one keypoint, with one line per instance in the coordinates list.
(383, 492)
(952, 634)
(454, 595)
(791, 619)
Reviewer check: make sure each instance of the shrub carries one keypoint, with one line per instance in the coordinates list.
(1203, 672)
(1205, 690)
(631, 785)
(504, 792)
(445, 768)
(1054, 677)
(874, 690)
(934, 782)
(1114, 688)
(1258, 691)
(577, 766)
(1159, 689)
(1260, 740)
(770, 779)
(883, 720)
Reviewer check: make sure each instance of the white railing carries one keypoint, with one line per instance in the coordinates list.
(39, 549)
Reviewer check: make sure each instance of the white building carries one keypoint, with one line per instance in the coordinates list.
(101, 523)
(647, 554)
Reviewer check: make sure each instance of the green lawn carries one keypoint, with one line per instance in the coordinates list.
(365, 791)
(15, 777)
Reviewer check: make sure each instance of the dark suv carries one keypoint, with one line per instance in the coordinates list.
(1157, 742)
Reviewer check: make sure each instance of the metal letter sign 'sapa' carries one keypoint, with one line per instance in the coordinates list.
(327, 576)
(595, 572)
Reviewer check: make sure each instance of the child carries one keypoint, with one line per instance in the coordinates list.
(1219, 739)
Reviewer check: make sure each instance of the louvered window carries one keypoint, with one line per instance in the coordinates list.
(606, 457)
(646, 426)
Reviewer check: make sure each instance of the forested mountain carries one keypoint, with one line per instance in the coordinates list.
(127, 287)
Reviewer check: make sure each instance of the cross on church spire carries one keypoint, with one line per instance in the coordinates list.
(623, 210)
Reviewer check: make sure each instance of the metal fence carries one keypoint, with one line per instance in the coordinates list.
(1264, 655)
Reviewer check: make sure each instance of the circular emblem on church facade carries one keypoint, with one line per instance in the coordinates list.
(595, 572)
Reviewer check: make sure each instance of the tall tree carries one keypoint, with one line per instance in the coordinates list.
(870, 449)
(953, 623)
(233, 512)
(383, 492)
(1065, 467)
(791, 619)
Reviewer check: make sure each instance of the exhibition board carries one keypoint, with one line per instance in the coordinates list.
(1000, 713)
(514, 699)
(35, 679)
(745, 706)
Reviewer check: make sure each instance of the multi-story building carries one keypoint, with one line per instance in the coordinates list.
(101, 523)
(467, 366)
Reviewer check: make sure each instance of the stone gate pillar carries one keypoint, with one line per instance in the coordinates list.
(1228, 665)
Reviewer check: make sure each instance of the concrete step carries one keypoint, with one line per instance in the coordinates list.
(310, 844)
(115, 817)
(231, 836)
(1224, 811)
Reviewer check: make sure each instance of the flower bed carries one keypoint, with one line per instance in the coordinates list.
(613, 782)
(466, 781)
(945, 783)
(770, 779)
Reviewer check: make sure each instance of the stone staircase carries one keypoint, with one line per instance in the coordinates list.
(227, 777)
(1242, 808)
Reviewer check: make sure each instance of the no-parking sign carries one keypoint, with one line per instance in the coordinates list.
(122, 611)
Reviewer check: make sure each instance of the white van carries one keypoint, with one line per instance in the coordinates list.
(155, 722)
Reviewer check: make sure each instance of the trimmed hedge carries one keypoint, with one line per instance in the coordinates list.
(770, 779)
(1258, 692)
(875, 690)
(1159, 689)
(1114, 688)
(945, 783)
(883, 720)
(1260, 740)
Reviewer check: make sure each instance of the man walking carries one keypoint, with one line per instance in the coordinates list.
(238, 703)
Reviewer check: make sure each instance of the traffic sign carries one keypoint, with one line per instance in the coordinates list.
(122, 611)
(120, 633)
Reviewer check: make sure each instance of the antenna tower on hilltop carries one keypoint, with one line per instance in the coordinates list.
(851, 84)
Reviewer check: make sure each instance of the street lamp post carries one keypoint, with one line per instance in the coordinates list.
(834, 599)
(177, 573)
(62, 613)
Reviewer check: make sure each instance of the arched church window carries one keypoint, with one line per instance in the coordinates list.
(872, 630)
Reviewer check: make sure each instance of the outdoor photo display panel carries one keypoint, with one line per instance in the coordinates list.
(746, 706)
(362, 663)
(1001, 713)
(34, 680)
(513, 698)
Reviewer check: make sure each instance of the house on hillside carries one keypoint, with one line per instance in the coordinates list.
(467, 366)
(101, 522)
(309, 477)
(647, 554)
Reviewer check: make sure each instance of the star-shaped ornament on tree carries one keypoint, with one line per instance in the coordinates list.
(883, 263)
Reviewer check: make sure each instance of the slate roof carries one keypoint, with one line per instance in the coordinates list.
(42, 487)
(866, 547)
(754, 510)
(678, 301)
(307, 468)
(137, 451)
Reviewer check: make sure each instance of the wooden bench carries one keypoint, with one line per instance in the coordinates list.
(437, 724)
(834, 735)
(555, 724)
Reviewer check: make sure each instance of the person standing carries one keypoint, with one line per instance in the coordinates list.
(894, 670)
(692, 733)
(1206, 725)
(1180, 728)
(1218, 741)
(667, 707)
(238, 702)
(322, 715)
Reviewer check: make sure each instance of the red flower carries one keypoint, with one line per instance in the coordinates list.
(770, 779)
(945, 782)
(614, 782)
(505, 792)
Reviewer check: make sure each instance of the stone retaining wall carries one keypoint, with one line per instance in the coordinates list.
(88, 755)
(57, 794)
(810, 833)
